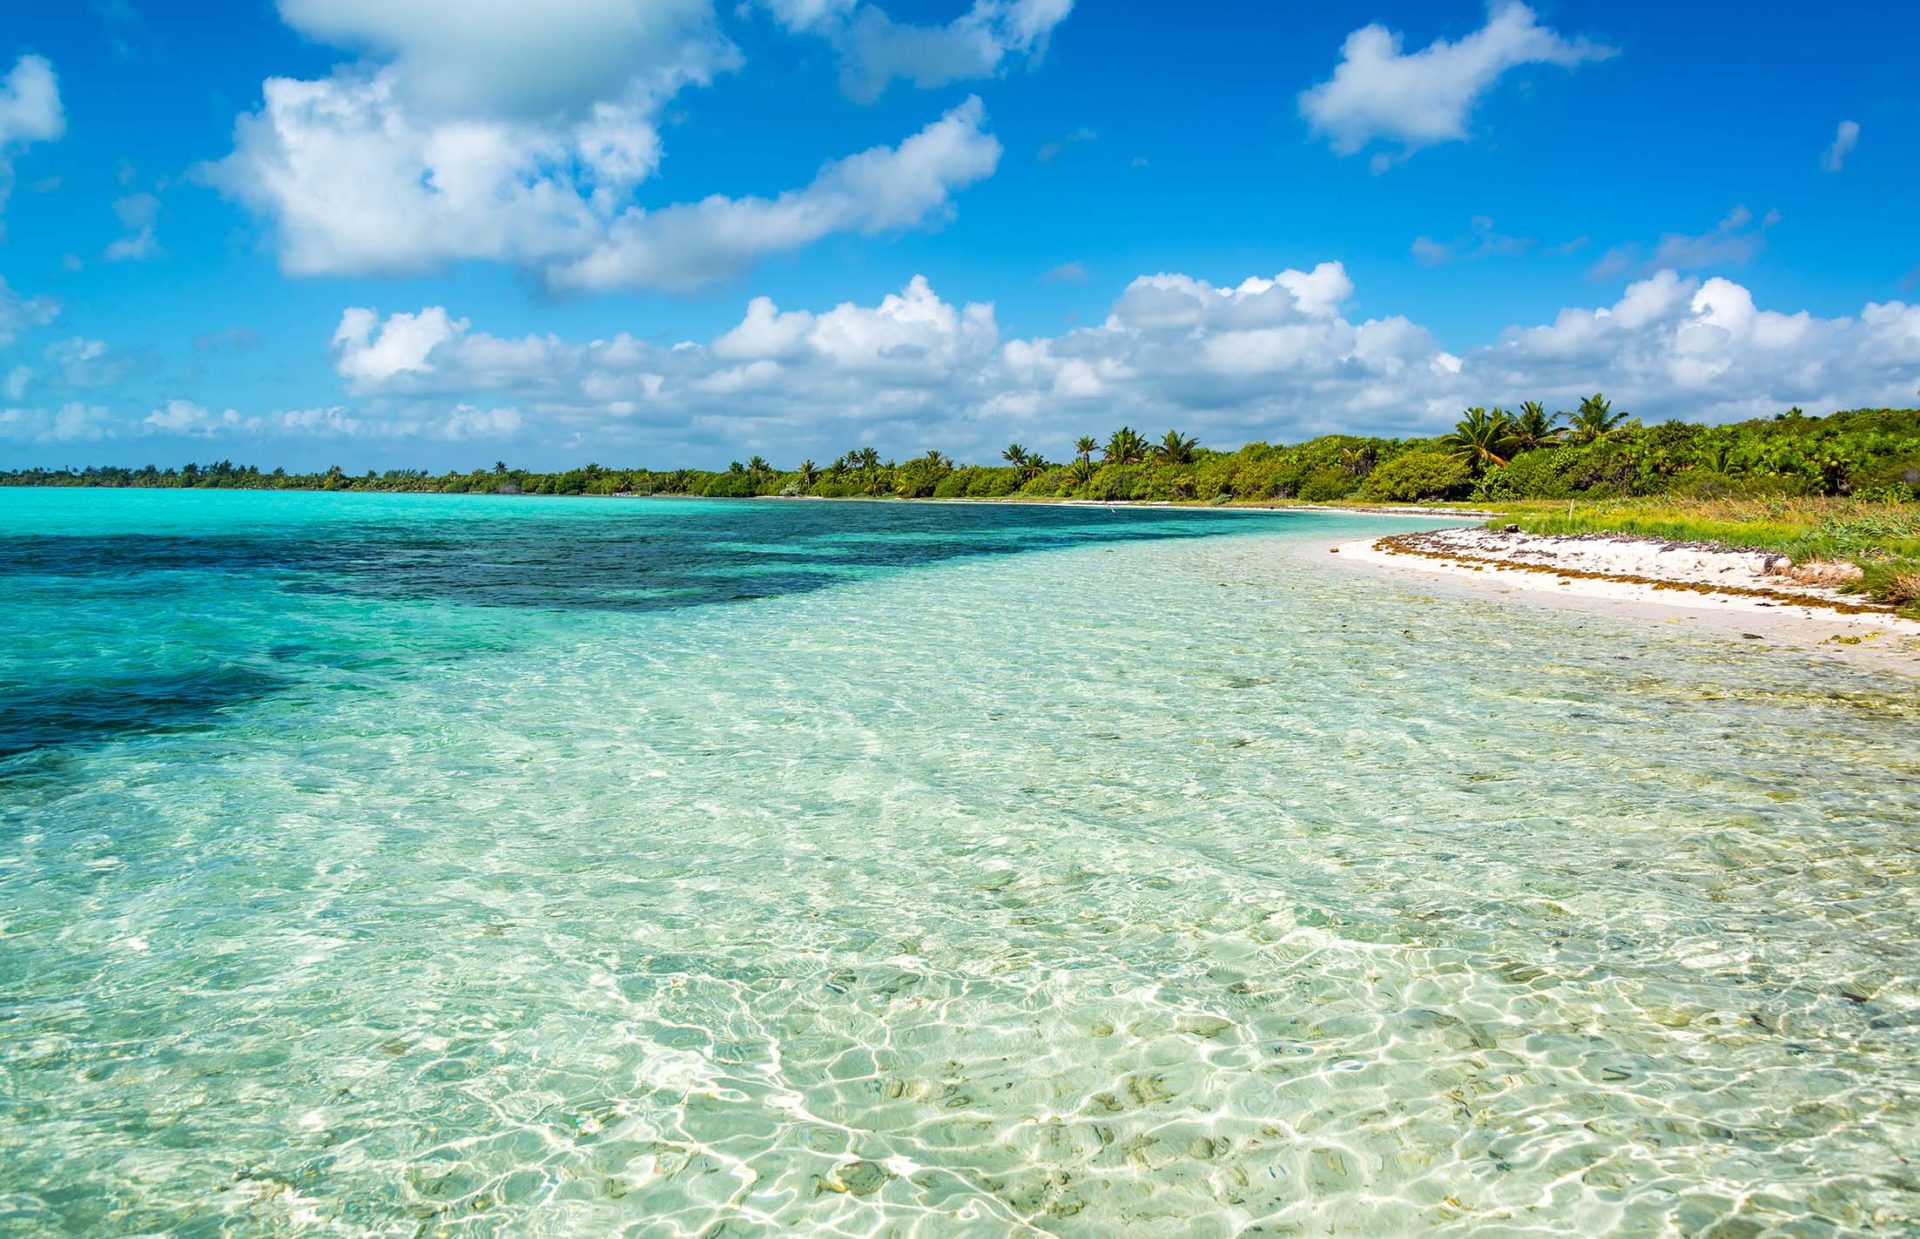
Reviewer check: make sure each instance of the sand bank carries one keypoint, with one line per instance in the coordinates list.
(1743, 594)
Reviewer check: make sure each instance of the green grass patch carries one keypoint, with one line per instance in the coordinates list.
(1882, 538)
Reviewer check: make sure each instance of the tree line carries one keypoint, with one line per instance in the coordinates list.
(1491, 454)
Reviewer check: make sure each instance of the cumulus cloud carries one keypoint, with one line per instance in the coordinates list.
(530, 61)
(1845, 138)
(1380, 93)
(1733, 242)
(183, 417)
(373, 352)
(72, 422)
(874, 50)
(432, 150)
(1675, 346)
(1273, 357)
(30, 112)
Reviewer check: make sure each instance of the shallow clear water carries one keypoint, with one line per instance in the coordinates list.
(459, 866)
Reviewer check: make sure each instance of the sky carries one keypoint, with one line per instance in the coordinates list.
(439, 233)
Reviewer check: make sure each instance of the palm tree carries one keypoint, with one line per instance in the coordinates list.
(1595, 421)
(1083, 470)
(1086, 446)
(1125, 447)
(759, 465)
(1015, 455)
(1033, 466)
(939, 459)
(1480, 436)
(1532, 429)
(1176, 448)
(868, 458)
(808, 472)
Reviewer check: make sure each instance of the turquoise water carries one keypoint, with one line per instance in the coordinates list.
(411, 865)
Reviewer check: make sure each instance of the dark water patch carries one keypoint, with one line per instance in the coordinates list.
(630, 557)
(135, 554)
(36, 718)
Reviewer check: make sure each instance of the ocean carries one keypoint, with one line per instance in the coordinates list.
(423, 865)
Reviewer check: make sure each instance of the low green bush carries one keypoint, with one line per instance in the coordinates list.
(1413, 476)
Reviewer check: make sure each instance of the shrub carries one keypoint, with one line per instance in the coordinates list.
(1115, 482)
(989, 483)
(1327, 483)
(952, 486)
(1416, 475)
(1052, 484)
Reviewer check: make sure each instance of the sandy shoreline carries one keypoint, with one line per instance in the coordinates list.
(1722, 591)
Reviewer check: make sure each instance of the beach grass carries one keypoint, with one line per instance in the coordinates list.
(1882, 538)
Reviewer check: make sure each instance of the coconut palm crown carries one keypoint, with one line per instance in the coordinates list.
(1176, 448)
(1595, 421)
(1532, 428)
(1481, 436)
(1125, 447)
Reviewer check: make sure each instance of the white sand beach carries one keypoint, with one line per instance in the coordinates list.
(1743, 594)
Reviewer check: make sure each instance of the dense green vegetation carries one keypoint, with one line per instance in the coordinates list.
(1592, 452)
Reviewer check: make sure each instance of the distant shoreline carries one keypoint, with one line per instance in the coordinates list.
(1193, 505)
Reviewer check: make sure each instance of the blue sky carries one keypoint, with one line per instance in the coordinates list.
(396, 232)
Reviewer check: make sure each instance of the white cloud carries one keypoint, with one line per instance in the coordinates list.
(72, 422)
(82, 363)
(138, 214)
(462, 422)
(1733, 242)
(681, 247)
(1277, 357)
(1845, 138)
(18, 314)
(371, 351)
(1380, 93)
(357, 183)
(527, 61)
(874, 49)
(427, 153)
(30, 112)
(183, 417)
(1270, 357)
